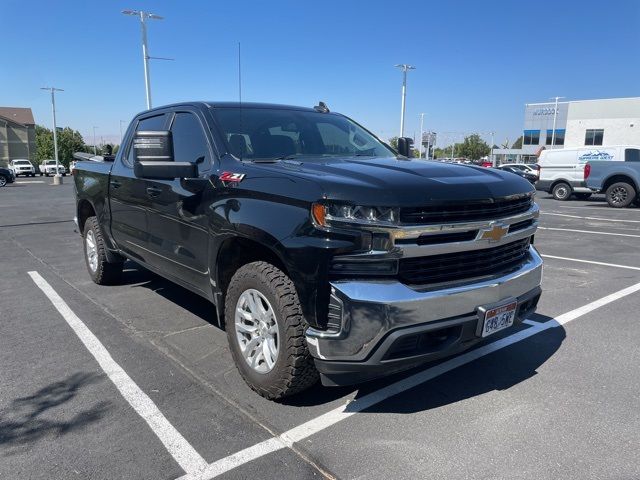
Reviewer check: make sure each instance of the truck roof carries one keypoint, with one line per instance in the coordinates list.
(218, 104)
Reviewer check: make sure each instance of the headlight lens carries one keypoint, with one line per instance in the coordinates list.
(325, 215)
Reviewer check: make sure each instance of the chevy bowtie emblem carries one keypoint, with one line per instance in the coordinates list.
(493, 233)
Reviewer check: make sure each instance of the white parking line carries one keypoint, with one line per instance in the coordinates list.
(181, 450)
(601, 208)
(29, 181)
(628, 267)
(589, 231)
(288, 438)
(591, 218)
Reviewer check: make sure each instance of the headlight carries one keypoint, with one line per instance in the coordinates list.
(333, 213)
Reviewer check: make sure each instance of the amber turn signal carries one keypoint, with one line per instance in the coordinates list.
(318, 212)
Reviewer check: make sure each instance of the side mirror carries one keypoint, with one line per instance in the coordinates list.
(404, 146)
(153, 157)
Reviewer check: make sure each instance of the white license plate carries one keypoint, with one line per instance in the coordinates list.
(498, 318)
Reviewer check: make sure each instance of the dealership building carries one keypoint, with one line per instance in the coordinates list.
(579, 123)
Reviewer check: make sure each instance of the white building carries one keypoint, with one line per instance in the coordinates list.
(610, 121)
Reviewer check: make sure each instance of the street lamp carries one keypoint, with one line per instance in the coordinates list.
(404, 68)
(493, 162)
(145, 49)
(95, 152)
(555, 115)
(57, 178)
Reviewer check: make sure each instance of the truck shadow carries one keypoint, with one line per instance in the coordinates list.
(496, 371)
(29, 419)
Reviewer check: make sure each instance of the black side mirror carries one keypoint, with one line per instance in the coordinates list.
(153, 157)
(405, 145)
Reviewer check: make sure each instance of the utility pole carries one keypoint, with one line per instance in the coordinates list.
(95, 152)
(555, 116)
(421, 132)
(493, 160)
(57, 178)
(145, 49)
(405, 67)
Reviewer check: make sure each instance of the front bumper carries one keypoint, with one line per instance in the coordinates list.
(388, 326)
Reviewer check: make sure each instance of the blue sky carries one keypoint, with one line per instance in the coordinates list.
(477, 63)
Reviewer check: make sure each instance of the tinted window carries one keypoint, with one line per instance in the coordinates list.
(594, 136)
(559, 140)
(189, 141)
(150, 123)
(632, 155)
(531, 137)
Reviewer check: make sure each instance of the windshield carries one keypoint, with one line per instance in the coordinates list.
(21, 162)
(271, 133)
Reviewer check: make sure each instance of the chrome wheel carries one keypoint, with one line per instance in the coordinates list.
(91, 250)
(257, 330)
(619, 195)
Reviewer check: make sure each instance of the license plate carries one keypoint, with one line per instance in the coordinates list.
(498, 318)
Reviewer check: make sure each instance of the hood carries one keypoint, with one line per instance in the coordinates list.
(398, 181)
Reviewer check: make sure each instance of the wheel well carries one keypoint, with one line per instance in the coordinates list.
(236, 252)
(618, 178)
(85, 210)
(553, 185)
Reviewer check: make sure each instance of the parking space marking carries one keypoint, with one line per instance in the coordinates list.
(628, 267)
(589, 231)
(600, 208)
(590, 218)
(305, 430)
(179, 448)
(29, 181)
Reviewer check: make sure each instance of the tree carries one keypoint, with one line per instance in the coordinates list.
(69, 142)
(393, 141)
(518, 143)
(473, 147)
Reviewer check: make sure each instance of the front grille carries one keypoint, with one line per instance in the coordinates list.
(465, 212)
(462, 265)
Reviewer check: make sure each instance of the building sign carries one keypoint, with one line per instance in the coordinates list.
(594, 155)
(428, 138)
(544, 111)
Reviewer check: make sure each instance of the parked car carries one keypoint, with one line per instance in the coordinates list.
(21, 166)
(48, 167)
(521, 173)
(6, 176)
(561, 170)
(619, 181)
(524, 167)
(324, 251)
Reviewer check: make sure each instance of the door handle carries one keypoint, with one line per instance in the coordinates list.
(115, 184)
(154, 191)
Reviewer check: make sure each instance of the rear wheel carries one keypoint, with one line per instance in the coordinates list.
(562, 191)
(583, 196)
(620, 195)
(102, 271)
(265, 329)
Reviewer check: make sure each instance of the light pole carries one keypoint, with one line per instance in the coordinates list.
(405, 67)
(493, 161)
(95, 152)
(57, 178)
(145, 49)
(421, 132)
(555, 116)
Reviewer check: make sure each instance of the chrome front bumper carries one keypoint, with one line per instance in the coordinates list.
(371, 310)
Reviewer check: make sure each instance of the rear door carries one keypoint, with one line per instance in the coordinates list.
(128, 196)
(178, 227)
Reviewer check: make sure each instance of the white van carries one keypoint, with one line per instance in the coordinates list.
(562, 170)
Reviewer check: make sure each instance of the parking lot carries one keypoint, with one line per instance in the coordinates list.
(135, 380)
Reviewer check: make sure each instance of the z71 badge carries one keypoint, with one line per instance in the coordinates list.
(231, 177)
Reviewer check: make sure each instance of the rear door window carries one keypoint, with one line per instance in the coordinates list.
(149, 123)
(632, 155)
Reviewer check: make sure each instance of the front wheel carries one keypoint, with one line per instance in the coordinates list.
(562, 191)
(3, 181)
(620, 195)
(265, 329)
(102, 271)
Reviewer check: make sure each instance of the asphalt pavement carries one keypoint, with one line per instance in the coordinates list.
(554, 398)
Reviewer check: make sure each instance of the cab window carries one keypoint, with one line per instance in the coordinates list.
(189, 140)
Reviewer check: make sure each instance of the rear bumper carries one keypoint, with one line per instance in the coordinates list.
(388, 327)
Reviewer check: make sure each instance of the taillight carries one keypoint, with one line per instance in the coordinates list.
(587, 171)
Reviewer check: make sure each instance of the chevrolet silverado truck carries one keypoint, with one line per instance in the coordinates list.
(619, 181)
(325, 252)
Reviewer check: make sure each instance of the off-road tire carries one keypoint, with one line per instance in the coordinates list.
(614, 192)
(294, 369)
(583, 196)
(562, 191)
(106, 273)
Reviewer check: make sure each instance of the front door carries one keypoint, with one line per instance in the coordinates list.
(178, 227)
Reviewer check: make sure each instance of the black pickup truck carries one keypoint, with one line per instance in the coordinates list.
(325, 252)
